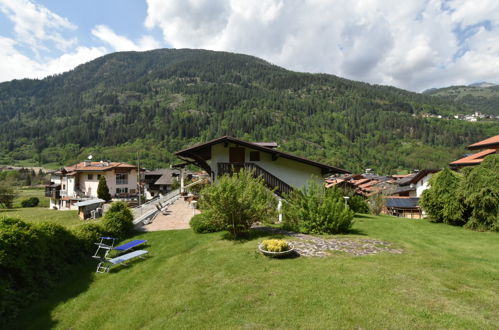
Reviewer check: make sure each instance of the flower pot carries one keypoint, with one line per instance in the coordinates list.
(279, 254)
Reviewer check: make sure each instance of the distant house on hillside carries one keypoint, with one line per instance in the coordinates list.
(404, 200)
(279, 169)
(488, 147)
(79, 182)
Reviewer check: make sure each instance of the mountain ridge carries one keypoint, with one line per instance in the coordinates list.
(159, 101)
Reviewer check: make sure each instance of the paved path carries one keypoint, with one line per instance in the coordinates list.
(178, 217)
(313, 246)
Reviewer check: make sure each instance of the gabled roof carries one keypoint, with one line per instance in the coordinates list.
(200, 151)
(415, 177)
(474, 159)
(487, 143)
(98, 166)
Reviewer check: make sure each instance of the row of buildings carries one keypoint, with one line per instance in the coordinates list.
(281, 171)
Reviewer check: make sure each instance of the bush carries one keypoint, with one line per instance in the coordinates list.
(87, 234)
(32, 257)
(238, 201)
(118, 220)
(317, 210)
(441, 201)
(203, 223)
(358, 204)
(30, 202)
(275, 245)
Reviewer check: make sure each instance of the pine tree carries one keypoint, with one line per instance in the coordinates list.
(103, 190)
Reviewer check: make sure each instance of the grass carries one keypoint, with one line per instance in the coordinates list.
(447, 277)
(41, 214)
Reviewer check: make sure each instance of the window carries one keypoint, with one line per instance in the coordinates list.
(121, 178)
(98, 176)
(90, 176)
(121, 190)
(254, 156)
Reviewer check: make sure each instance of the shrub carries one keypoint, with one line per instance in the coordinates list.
(32, 257)
(30, 202)
(441, 201)
(203, 223)
(87, 234)
(275, 245)
(118, 220)
(238, 201)
(317, 210)
(358, 204)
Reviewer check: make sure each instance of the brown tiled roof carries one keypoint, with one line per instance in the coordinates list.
(474, 159)
(487, 143)
(98, 166)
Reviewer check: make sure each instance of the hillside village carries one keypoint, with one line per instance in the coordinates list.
(249, 164)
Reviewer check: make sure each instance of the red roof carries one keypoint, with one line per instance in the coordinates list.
(474, 159)
(487, 143)
(98, 166)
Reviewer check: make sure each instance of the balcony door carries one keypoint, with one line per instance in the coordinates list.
(236, 155)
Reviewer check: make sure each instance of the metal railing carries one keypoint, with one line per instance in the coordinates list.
(149, 208)
(270, 180)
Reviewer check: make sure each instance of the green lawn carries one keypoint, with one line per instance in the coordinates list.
(447, 277)
(25, 193)
(39, 214)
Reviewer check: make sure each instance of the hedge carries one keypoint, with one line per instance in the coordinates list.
(36, 256)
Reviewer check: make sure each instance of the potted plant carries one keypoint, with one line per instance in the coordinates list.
(276, 248)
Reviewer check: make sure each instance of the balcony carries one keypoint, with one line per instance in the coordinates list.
(271, 181)
(53, 191)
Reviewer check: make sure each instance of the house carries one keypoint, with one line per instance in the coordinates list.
(160, 182)
(404, 200)
(488, 147)
(79, 182)
(279, 170)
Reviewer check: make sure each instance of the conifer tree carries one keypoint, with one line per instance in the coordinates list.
(103, 190)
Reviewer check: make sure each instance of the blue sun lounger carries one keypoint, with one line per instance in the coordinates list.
(121, 248)
(106, 264)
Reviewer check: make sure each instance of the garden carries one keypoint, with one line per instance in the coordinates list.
(364, 271)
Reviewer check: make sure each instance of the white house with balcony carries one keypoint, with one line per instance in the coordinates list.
(280, 170)
(79, 182)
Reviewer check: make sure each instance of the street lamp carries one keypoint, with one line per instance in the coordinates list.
(346, 200)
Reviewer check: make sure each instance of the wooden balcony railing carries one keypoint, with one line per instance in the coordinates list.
(270, 180)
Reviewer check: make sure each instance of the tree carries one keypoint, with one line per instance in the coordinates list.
(236, 202)
(7, 196)
(103, 190)
(376, 204)
(480, 193)
(441, 201)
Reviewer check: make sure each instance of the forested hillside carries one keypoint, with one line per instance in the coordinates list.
(479, 97)
(156, 102)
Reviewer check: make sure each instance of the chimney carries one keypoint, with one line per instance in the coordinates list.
(87, 162)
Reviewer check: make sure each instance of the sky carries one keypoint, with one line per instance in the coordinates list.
(410, 44)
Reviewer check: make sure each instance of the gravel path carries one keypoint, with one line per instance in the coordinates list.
(313, 246)
(178, 216)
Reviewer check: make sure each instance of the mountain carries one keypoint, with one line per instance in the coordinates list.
(151, 104)
(482, 97)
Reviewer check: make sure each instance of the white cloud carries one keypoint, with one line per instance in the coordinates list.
(121, 43)
(34, 25)
(15, 65)
(409, 44)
